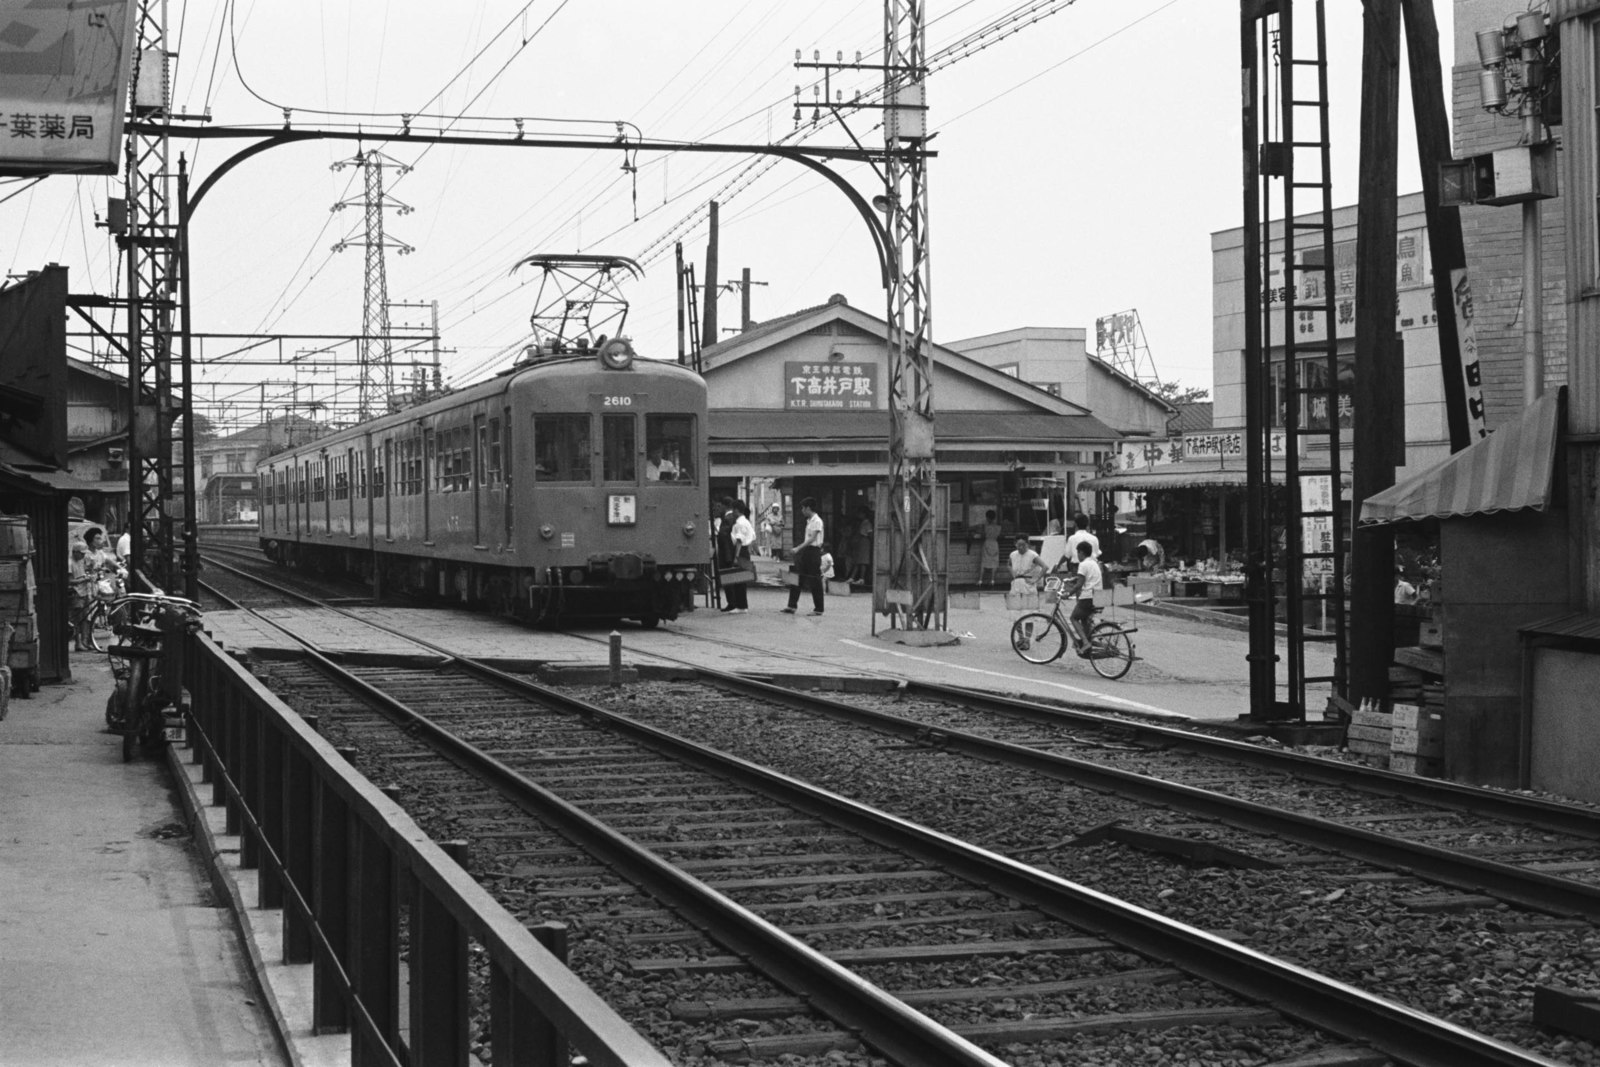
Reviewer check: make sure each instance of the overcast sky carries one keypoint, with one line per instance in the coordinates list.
(1084, 162)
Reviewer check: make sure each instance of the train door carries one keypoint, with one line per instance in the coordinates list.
(508, 465)
(480, 463)
(388, 489)
(429, 459)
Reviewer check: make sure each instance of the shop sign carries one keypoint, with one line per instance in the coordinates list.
(830, 386)
(1316, 531)
(64, 78)
(1414, 305)
(1143, 455)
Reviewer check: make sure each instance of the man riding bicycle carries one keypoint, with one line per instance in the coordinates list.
(1082, 586)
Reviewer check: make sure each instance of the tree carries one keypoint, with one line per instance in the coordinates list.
(1177, 393)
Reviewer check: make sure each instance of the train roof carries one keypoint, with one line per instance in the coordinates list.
(561, 365)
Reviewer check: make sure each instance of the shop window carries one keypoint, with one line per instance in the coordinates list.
(561, 448)
(669, 443)
(1313, 374)
(618, 449)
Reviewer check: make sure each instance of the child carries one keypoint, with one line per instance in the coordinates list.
(827, 562)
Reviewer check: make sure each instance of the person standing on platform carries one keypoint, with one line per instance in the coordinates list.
(808, 560)
(991, 549)
(734, 535)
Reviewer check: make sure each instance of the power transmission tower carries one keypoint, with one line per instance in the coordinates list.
(377, 356)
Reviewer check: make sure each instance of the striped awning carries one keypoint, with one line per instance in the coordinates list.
(1507, 471)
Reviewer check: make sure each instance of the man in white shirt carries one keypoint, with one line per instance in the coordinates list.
(125, 544)
(808, 560)
(1080, 532)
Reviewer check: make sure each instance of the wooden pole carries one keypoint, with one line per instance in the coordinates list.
(708, 313)
(1379, 438)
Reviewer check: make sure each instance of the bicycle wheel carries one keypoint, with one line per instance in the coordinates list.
(99, 628)
(1038, 638)
(1110, 653)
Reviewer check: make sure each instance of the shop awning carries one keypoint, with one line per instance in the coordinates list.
(1184, 475)
(1507, 471)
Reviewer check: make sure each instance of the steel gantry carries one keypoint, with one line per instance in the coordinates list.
(915, 596)
(151, 247)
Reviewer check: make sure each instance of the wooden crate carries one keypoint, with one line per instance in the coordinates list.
(23, 656)
(1416, 743)
(14, 537)
(1427, 766)
(15, 573)
(1430, 635)
(16, 602)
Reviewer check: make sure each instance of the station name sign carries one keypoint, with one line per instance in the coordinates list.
(829, 385)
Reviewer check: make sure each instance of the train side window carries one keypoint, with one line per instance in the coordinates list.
(341, 478)
(379, 470)
(561, 448)
(489, 446)
(669, 448)
(618, 451)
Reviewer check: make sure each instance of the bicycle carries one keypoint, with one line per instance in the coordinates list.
(148, 669)
(98, 628)
(1044, 638)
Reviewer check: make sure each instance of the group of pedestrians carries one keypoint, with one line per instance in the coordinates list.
(813, 563)
(1079, 564)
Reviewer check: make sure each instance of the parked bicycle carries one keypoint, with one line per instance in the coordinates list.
(148, 665)
(1040, 637)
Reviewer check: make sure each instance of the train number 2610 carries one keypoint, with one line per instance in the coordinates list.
(619, 402)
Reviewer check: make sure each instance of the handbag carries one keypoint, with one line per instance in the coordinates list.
(737, 576)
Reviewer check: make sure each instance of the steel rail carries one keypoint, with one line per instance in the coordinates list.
(887, 1024)
(1529, 889)
(1532, 811)
(1412, 1036)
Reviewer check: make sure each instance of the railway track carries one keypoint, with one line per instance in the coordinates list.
(917, 751)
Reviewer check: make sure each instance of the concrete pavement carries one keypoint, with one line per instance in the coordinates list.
(113, 952)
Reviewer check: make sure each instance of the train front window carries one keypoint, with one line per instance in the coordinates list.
(561, 448)
(618, 457)
(669, 448)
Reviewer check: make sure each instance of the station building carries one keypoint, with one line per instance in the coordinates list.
(799, 408)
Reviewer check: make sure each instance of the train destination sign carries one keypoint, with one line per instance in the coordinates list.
(830, 385)
(622, 509)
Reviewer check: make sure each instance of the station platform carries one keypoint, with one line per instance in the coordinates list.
(113, 950)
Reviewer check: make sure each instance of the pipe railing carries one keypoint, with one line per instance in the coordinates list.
(350, 869)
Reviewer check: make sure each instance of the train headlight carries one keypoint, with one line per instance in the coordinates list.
(689, 528)
(575, 576)
(617, 354)
(547, 531)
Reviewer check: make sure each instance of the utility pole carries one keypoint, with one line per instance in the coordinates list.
(1378, 417)
(377, 356)
(709, 312)
(743, 285)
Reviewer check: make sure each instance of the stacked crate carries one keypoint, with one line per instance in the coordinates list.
(20, 673)
(1370, 734)
(1417, 745)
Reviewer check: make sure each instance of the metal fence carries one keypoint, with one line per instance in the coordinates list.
(356, 879)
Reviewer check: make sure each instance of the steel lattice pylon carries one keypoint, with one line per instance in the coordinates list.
(916, 596)
(151, 247)
(377, 354)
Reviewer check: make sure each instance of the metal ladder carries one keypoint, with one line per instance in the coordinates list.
(1297, 159)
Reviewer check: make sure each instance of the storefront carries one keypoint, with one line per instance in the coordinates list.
(799, 409)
